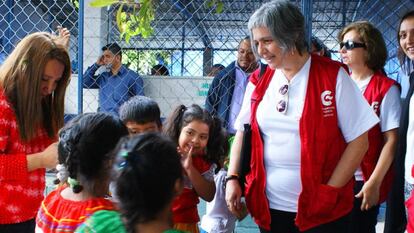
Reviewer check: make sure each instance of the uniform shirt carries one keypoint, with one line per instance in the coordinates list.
(280, 132)
(390, 111)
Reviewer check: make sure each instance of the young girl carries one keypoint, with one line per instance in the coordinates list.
(149, 176)
(201, 141)
(86, 152)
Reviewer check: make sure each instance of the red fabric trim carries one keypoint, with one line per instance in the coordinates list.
(57, 214)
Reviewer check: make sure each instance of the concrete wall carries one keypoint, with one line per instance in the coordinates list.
(167, 91)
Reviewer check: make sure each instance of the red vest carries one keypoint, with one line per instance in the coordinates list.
(377, 87)
(322, 145)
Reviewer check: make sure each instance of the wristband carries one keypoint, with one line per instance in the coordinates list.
(231, 177)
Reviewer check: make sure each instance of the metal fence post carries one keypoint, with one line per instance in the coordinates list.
(80, 55)
(307, 12)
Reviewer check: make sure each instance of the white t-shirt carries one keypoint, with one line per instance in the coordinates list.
(218, 218)
(280, 131)
(409, 154)
(390, 111)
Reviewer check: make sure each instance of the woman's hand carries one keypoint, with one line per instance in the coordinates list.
(233, 195)
(369, 194)
(50, 156)
(64, 36)
(46, 159)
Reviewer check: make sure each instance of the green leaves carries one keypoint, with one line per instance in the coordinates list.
(75, 3)
(218, 4)
(133, 17)
(102, 3)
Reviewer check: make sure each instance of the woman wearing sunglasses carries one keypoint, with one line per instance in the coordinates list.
(363, 49)
(403, 185)
(309, 131)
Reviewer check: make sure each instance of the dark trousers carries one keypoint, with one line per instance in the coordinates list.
(23, 227)
(284, 222)
(362, 221)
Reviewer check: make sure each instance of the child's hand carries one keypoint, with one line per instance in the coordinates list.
(186, 158)
(242, 212)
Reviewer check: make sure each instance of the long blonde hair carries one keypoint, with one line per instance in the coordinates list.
(21, 76)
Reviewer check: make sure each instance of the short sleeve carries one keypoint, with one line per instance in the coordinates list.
(390, 109)
(355, 116)
(244, 114)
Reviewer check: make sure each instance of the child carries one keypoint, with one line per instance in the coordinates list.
(218, 217)
(86, 152)
(149, 177)
(141, 114)
(201, 141)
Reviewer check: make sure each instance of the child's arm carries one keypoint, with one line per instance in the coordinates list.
(204, 188)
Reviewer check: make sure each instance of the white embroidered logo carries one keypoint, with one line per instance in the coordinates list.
(326, 98)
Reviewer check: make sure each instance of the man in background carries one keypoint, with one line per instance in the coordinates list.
(115, 81)
(226, 92)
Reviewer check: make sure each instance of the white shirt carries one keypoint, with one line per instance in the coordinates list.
(390, 111)
(409, 154)
(280, 132)
(218, 218)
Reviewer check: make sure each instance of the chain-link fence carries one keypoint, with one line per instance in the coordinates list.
(189, 38)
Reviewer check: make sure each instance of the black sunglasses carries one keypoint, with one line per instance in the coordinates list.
(349, 45)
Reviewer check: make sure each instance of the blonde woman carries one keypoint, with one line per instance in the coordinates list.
(33, 80)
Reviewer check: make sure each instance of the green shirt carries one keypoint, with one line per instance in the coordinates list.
(106, 221)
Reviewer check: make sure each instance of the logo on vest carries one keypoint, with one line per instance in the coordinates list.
(327, 100)
(375, 106)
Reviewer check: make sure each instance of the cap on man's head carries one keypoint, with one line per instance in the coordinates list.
(113, 47)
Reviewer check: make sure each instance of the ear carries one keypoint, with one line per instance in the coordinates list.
(118, 57)
(178, 187)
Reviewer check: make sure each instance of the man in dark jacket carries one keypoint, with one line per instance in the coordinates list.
(226, 92)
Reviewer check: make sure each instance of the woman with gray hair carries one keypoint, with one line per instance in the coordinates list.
(309, 131)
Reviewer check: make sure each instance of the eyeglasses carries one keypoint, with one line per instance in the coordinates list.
(283, 103)
(349, 45)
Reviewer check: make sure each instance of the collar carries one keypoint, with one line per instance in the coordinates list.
(122, 70)
(236, 64)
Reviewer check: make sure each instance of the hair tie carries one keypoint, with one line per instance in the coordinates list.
(123, 155)
(72, 182)
(74, 185)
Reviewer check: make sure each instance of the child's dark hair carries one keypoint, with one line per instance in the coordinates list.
(140, 109)
(148, 167)
(86, 147)
(217, 145)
